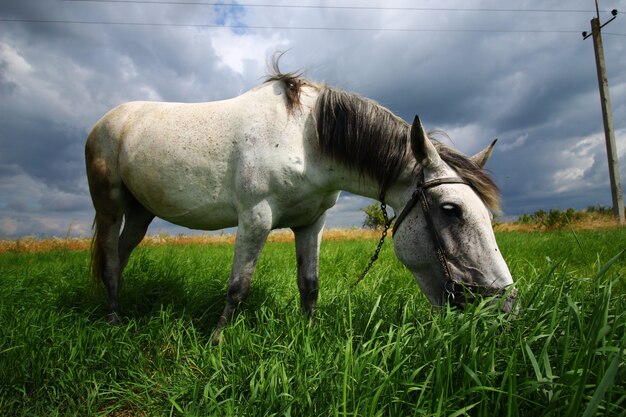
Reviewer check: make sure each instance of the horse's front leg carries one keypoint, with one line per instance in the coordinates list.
(254, 227)
(308, 241)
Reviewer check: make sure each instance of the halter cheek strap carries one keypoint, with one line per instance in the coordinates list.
(458, 293)
(419, 194)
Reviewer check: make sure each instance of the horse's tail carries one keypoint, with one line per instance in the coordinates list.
(97, 255)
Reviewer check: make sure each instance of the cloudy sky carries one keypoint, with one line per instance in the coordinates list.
(518, 71)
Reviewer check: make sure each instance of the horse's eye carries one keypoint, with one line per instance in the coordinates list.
(451, 209)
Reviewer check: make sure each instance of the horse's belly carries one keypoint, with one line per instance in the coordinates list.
(211, 217)
(182, 187)
(185, 205)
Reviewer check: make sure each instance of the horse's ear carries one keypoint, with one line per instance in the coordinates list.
(482, 157)
(422, 147)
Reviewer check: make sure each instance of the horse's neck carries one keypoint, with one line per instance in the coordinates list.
(396, 195)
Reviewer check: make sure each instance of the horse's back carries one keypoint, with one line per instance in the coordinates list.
(199, 164)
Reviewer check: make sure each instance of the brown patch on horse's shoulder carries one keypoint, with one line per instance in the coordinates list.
(99, 184)
(98, 170)
(98, 167)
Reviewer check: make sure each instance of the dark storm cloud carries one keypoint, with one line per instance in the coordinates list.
(536, 92)
(58, 79)
(42, 149)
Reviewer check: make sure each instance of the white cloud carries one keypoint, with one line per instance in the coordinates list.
(347, 212)
(518, 142)
(236, 51)
(16, 66)
(469, 139)
(9, 227)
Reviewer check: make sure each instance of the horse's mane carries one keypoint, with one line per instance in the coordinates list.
(361, 134)
(369, 138)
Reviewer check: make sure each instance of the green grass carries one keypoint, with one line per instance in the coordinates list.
(376, 350)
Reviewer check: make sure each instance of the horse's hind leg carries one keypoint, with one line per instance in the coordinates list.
(136, 221)
(111, 251)
(105, 257)
(109, 196)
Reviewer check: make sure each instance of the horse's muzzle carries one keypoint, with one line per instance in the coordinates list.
(460, 295)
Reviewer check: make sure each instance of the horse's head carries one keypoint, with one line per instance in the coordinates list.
(444, 233)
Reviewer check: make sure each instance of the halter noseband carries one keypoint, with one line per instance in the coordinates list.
(458, 293)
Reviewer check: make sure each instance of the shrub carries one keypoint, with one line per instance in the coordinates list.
(374, 218)
(600, 209)
(556, 219)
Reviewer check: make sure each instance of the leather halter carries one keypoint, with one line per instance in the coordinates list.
(458, 293)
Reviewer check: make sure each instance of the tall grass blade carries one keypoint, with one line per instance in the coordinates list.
(463, 411)
(608, 264)
(605, 384)
(580, 246)
(373, 313)
(175, 405)
(533, 362)
(540, 285)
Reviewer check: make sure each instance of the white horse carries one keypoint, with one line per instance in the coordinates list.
(278, 156)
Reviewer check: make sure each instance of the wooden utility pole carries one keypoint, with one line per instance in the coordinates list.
(607, 115)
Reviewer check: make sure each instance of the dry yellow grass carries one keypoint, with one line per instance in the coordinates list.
(33, 244)
(591, 221)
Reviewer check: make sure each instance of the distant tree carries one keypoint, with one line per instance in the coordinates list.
(374, 218)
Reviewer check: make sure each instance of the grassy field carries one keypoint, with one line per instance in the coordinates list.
(376, 350)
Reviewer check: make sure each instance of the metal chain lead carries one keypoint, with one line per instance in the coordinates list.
(373, 259)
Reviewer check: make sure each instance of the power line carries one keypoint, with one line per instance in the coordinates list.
(334, 7)
(273, 27)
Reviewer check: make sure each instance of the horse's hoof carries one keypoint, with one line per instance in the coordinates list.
(113, 318)
(216, 339)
